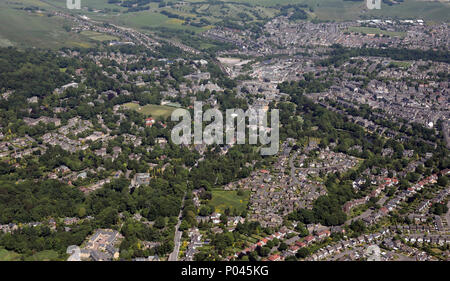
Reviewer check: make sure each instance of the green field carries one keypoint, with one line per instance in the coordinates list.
(255, 11)
(26, 29)
(147, 19)
(373, 30)
(401, 64)
(97, 36)
(36, 28)
(6, 255)
(221, 199)
(47, 255)
(156, 111)
(5, 42)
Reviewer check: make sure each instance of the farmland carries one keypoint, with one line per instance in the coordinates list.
(30, 23)
(36, 29)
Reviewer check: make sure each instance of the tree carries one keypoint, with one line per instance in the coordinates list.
(160, 222)
(283, 246)
(442, 181)
(302, 230)
(358, 227)
(290, 258)
(263, 251)
(108, 217)
(302, 253)
(439, 209)
(184, 225)
(81, 212)
(206, 210)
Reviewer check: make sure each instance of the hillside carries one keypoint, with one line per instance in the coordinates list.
(30, 23)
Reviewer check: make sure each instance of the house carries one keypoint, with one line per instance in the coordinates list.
(323, 234)
(309, 239)
(275, 257)
(101, 245)
(294, 248)
(42, 119)
(116, 150)
(82, 175)
(101, 152)
(215, 218)
(141, 179)
(424, 206)
(337, 229)
(62, 169)
(149, 122)
(70, 85)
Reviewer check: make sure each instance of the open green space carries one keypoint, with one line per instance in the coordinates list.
(47, 255)
(221, 199)
(97, 36)
(37, 28)
(373, 30)
(26, 29)
(6, 255)
(402, 64)
(156, 111)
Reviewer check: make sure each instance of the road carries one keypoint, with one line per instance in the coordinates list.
(447, 216)
(177, 239)
(367, 212)
(292, 240)
(294, 179)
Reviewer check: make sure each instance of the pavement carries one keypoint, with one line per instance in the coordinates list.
(294, 179)
(177, 239)
(367, 212)
(447, 216)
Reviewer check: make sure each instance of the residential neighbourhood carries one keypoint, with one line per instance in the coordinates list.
(91, 168)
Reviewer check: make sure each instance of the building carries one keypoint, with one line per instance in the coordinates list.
(141, 179)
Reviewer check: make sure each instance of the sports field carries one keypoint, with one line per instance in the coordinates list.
(97, 36)
(153, 110)
(221, 199)
(373, 30)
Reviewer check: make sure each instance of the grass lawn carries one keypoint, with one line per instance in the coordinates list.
(221, 199)
(257, 237)
(402, 64)
(436, 251)
(248, 239)
(6, 255)
(156, 111)
(47, 255)
(373, 30)
(97, 36)
(151, 20)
